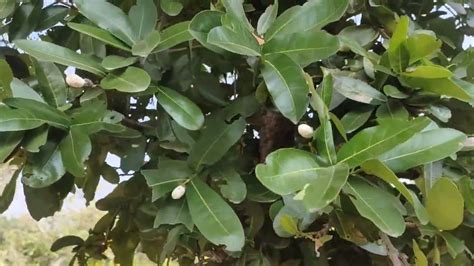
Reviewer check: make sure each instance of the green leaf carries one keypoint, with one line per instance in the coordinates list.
(237, 40)
(445, 204)
(49, 52)
(325, 189)
(214, 218)
(115, 22)
(374, 141)
(392, 110)
(339, 126)
(379, 169)
(428, 72)
(288, 224)
(44, 168)
(75, 149)
(17, 120)
(421, 45)
(425, 147)
(50, 16)
(6, 77)
(99, 34)
(171, 7)
(131, 80)
(8, 143)
(202, 23)
(24, 20)
(169, 175)
(236, 12)
(267, 18)
(216, 139)
(466, 186)
(230, 183)
(113, 62)
(51, 83)
(397, 52)
(36, 138)
(358, 90)
(40, 111)
(147, 45)
(353, 120)
(8, 193)
(455, 245)
(377, 205)
(420, 257)
(20, 90)
(394, 92)
(66, 241)
(288, 170)
(6, 8)
(441, 86)
(312, 15)
(304, 47)
(143, 17)
(286, 83)
(174, 212)
(174, 35)
(185, 112)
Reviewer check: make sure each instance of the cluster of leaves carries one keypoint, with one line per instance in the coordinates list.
(207, 96)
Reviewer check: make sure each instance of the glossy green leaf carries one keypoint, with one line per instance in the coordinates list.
(143, 17)
(131, 80)
(286, 83)
(235, 10)
(36, 138)
(171, 7)
(44, 168)
(303, 47)
(377, 205)
(75, 149)
(394, 92)
(445, 205)
(51, 83)
(339, 126)
(267, 18)
(379, 169)
(174, 35)
(6, 198)
(51, 16)
(358, 90)
(421, 45)
(353, 120)
(214, 218)
(8, 142)
(19, 89)
(116, 21)
(147, 45)
(216, 139)
(174, 212)
(99, 34)
(311, 15)
(237, 40)
(6, 77)
(397, 52)
(441, 86)
(17, 120)
(428, 72)
(24, 21)
(49, 52)
(181, 109)
(288, 170)
(424, 147)
(6, 8)
(169, 175)
(202, 23)
(392, 110)
(455, 245)
(374, 141)
(325, 189)
(113, 62)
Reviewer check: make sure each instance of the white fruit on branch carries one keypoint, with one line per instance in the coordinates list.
(178, 192)
(305, 131)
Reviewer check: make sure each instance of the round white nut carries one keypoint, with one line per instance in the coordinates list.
(178, 192)
(305, 131)
(75, 81)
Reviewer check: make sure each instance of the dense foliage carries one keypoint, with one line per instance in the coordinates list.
(320, 132)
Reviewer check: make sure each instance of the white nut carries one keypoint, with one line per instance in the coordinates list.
(178, 192)
(75, 81)
(306, 131)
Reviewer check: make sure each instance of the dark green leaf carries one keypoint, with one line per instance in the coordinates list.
(174, 212)
(8, 142)
(113, 62)
(202, 24)
(131, 80)
(143, 17)
(44, 168)
(66, 241)
(99, 34)
(353, 120)
(8, 171)
(6, 77)
(50, 16)
(51, 81)
(214, 218)
(75, 149)
(6, 8)
(171, 7)
(147, 45)
(237, 40)
(231, 185)
(174, 35)
(358, 90)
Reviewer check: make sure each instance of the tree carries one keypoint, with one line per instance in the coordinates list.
(320, 132)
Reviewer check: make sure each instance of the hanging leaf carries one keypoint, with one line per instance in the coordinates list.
(397, 51)
(355, 119)
(51, 81)
(6, 198)
(181, 109)
(420, 257)
(75, 149)
(231, 185)
(44, 168)
(358, 90)
(174, 212)
(8, 142)
(377, 205)
(202, 23)
(99, 34)
(214, 218)
(116, 21)
(286, 83)
(445, 204)
(131, 80)
(49, 52)
(6, 77)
